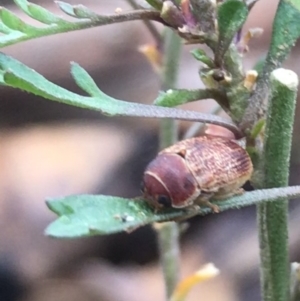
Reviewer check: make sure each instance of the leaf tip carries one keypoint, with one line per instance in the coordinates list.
(74, 65)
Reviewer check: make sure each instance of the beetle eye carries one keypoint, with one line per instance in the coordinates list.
(164, 200)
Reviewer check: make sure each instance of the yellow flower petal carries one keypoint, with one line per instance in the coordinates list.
(153, 56)
(183, 288)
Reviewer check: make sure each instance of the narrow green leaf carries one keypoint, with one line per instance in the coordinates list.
(12, 21)
(286, 31)
(20, 76)
(83, 12)
(4, 29)
(23, 5)
(200, 55)
(44, 16)
(84, 81)
(6, 39)
(232, 14)
(65, 26)
(88, 215)
(66, 8)
(172, 98)
(39, 13)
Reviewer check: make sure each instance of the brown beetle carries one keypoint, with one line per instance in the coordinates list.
(194, 170)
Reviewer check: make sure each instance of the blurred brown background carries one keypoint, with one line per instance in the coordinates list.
(49, 149)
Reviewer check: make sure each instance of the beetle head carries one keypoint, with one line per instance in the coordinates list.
(168, 182)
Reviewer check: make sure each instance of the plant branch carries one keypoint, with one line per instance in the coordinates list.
(89, 215)
(168, 233)
(171, 98)
(295, 281)
(168, 241)
(140, 110)
(286, 31)
(15, 74)
(91, 20)
(272, 218)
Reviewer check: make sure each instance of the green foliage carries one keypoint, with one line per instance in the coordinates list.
(194, 21)
(39, 13)
(200, 55)
(88, 215)
(172, 98)
(286, 31)
(16, 30)
(232, 14)
(14, 23)
(67, 8)
(273, 217)
(17, 75)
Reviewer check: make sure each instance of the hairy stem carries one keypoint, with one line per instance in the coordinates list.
(286, 31)
(272, 217)
(171, 48)
(295, 281)
(168, 238)
(168, 233)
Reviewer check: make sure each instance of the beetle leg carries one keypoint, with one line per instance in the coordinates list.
(191, 211)
(204, 198)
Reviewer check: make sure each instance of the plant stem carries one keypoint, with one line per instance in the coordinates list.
(168, 233)
(97, 20)
(168, 239)
(171, 49)
(286, 31)
(272, 217)
(295, 281)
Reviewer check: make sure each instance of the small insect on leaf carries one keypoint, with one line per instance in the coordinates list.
(195, 170)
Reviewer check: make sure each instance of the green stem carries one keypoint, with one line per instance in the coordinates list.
(272, 217)
(168, 240)
(168, 233)
(171, 48)
(295, 281)
(286, 31)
